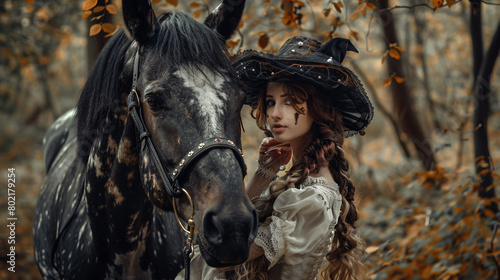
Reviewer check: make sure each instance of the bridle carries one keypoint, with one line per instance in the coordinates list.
(170, 178)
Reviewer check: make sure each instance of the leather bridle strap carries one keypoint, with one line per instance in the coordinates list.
(145, 140)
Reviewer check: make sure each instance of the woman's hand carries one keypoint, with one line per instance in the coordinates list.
(273, 154)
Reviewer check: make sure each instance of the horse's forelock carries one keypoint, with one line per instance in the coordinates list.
(183, 40)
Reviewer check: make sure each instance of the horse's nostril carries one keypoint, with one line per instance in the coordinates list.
(212, 228)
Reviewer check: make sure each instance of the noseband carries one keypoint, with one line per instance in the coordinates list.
(170, 178)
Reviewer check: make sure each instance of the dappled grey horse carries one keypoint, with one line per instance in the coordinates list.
(153, 143)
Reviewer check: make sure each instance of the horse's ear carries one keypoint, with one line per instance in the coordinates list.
(226, 17)
(139, 19)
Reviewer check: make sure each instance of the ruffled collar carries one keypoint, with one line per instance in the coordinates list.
(318, 181)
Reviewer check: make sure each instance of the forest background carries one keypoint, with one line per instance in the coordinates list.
(426, 183)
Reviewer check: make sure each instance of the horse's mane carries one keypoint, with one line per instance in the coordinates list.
(180, 39)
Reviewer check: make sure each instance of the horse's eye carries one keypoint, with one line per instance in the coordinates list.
(153, 103)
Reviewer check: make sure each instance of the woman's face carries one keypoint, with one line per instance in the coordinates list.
(286, 124)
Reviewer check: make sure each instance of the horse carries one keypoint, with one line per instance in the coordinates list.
(151, 151)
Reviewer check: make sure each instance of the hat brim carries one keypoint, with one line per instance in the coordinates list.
(339, 85)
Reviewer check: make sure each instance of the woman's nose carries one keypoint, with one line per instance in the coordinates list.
(276, 113)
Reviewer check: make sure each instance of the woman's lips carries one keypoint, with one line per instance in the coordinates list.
(278, 128)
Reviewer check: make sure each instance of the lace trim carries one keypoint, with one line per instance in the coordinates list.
(269, 242)
(329, 193)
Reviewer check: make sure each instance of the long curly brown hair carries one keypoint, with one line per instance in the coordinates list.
(325, 149)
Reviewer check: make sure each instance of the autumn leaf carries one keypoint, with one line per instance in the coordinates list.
(268, 3)
(384, 56)
(338, 7)
(98, 9)
(194, 5)
(483, 172)
(370, 6)
(354, 16)
(394, 54)
(232, 43)
(399, 48)
(326, 12)
(112, 9)
(108, 27)
(398, 80)
(489, 213)
(95, 29)
(175, 3)
(197, 14)
(263, 40)
(289, 20)
(155, 2)
(355, 35)
(86, 14)
(112, 33)
(437, 3)
(387, 82)
(487, 202)
(361, 7)
(88, 4)
(450, 3)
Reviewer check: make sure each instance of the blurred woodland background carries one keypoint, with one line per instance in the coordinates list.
(425, 170)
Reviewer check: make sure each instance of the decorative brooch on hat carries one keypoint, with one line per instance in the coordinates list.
(309, 60)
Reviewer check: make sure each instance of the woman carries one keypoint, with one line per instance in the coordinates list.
(308, 101)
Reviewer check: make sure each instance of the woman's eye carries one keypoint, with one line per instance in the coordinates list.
(270, 103)
(288, 102)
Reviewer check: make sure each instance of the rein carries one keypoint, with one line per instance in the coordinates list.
(170, 178)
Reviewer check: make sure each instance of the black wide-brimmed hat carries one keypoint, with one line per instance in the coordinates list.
(308, 60)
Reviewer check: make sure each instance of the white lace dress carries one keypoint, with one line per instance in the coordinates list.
(296, 237)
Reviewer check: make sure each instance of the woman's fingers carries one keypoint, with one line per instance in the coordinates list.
(273, 153)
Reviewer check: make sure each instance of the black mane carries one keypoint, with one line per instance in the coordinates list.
(180, 39)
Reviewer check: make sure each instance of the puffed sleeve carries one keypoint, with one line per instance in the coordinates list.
(301, 222)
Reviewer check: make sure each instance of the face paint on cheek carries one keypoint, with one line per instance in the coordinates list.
(302, 110)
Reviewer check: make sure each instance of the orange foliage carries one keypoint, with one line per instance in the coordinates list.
(446, 234)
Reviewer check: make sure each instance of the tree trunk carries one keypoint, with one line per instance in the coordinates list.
(369, 85)
(96, 43)
(483, 69)
(421, 26)
(401, 94)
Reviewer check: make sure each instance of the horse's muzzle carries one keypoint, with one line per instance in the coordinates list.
(228, 234)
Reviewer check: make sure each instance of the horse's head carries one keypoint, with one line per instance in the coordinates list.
(190, 101)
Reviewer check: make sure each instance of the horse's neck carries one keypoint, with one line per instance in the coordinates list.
(118, 208)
